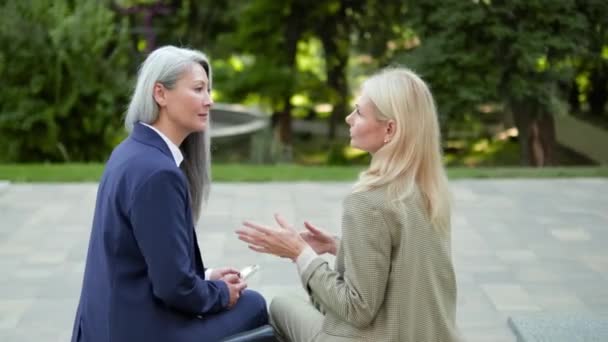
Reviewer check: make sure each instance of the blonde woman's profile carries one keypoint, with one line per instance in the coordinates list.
(393, 278)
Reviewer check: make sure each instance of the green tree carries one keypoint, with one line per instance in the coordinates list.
(267, 33)
(338, 24)
(514, 52)
(380, 31)
(334, 22)
(589, 90)
(65, 70)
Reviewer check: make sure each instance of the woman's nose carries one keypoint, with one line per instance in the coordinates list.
(208, 101)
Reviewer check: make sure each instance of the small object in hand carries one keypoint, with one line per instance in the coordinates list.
(248, 271)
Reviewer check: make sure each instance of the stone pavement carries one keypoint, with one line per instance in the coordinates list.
(519, 246)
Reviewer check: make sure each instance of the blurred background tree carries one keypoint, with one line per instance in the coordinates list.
(515, 56)
(589, 89)
(65, 70)
(500, 70)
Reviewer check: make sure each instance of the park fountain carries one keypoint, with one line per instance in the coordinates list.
(236, 127)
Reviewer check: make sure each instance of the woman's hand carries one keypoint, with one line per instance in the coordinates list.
(284, 242)
(320, 240)
(236, 286)
(222, 272)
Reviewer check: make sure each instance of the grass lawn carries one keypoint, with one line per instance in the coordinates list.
(281, 172)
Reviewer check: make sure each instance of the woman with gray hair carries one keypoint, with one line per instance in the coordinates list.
(144, 277)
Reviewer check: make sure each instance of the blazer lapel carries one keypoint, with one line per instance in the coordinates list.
(147, 136)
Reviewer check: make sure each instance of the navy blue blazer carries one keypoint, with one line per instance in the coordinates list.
(144, 278)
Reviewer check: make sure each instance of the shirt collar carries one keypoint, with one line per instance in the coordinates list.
(178, 157)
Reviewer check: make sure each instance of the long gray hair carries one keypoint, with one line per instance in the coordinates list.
(166, 65)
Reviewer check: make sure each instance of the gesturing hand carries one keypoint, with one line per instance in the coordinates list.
(284, 242)
(319, 239)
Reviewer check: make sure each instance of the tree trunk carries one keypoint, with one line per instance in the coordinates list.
(573, 100)
(598, 95)
(336, 80)
(536, 134)
(334, 36)
(293, 31)
(285, 132)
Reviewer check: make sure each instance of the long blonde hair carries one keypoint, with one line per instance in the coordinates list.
(411, 161)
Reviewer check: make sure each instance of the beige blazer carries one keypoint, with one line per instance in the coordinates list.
(393, 279)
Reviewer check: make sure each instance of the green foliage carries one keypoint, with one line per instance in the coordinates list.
(590, 93)
(65, 68)
(271, 48)
(66, 65)
(382, 30)
(344, 154)
(475, 52)
(485, 152)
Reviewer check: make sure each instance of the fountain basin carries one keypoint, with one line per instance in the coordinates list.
(240, 134)
(231, 120)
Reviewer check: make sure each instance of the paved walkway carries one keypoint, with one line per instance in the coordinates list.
(518, 245)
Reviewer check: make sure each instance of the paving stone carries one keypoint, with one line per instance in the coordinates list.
(559, 328)
(575, 234)
(517, 248)
(509, 297)
(3, 185)
(517, 256)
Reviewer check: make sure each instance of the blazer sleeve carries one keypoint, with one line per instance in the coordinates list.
(356, 295)
(158, 215)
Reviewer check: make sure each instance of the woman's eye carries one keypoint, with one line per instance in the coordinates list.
(198, 89)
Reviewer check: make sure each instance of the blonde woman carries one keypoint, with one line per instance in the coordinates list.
(393, 279)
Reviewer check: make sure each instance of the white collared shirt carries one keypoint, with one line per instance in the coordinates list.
(175, 151)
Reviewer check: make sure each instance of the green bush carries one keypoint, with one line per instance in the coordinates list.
(65, 69)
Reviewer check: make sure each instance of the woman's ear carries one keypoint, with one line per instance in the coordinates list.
(390, 129)
(160, 94)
